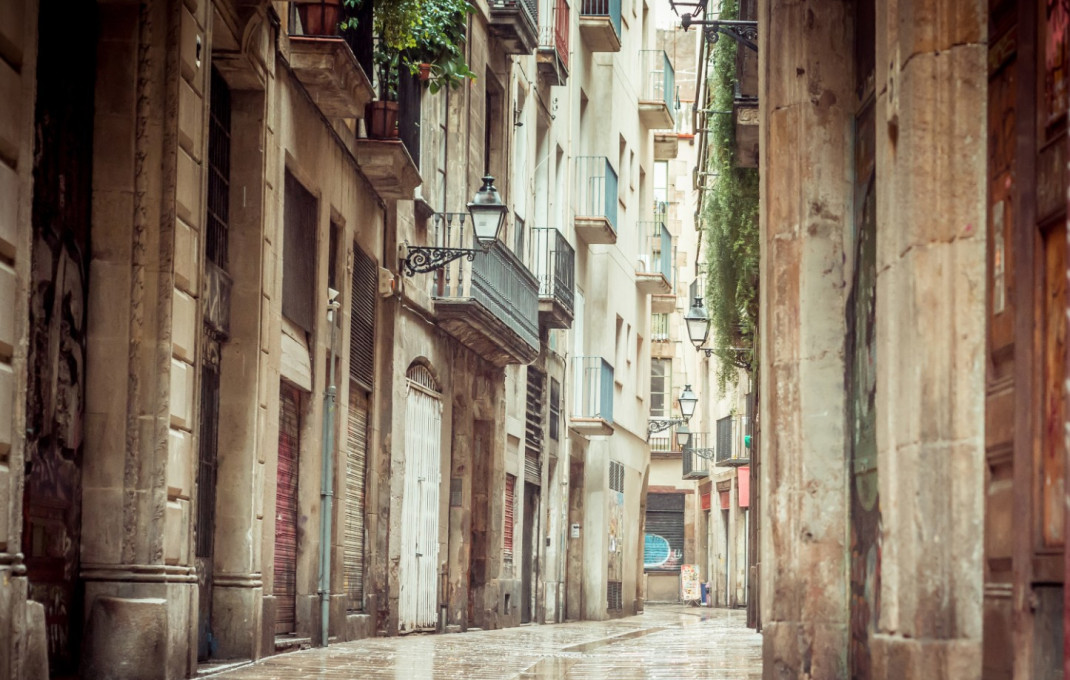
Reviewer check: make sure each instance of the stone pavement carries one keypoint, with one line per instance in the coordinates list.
(665, 642)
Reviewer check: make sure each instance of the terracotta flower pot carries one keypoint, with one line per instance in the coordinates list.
(425, 71)
(320, 18)
(381, 119)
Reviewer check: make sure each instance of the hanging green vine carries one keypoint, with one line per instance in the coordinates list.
(730, 220)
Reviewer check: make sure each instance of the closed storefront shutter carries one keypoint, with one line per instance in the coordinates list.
(356, 460)
(286, 508)
(510, 502)
(663, 545)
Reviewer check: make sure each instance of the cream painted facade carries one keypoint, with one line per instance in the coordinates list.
(189, 422)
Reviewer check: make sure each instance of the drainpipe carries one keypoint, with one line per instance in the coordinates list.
(327, 476)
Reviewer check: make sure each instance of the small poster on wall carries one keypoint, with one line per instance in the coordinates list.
(690, 590)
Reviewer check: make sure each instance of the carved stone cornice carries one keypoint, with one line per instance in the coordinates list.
(139, 573)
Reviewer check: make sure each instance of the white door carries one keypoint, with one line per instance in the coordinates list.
(419, 506)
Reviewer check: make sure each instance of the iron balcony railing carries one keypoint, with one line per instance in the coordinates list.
(659, 328)
(530, 8)
(731, 450)
(555, 266)
(553, 33)
(659, 79)
(596, 189)
(594, 388)
(603, 8)
(496, 279)
(655, 249)
(696, 466)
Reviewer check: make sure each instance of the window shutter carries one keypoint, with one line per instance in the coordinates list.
(362, 319)
(510, 498)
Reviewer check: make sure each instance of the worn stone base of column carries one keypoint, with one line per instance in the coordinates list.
(267, 626)
(897, 658)
(800, 651)
(237, 618)
(36, 658)
(126, 638)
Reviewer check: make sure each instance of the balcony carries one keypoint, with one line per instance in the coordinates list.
(731, 448)
(695, 466)
(657, 95)
(653, 274)
(592, 406)
(596, 200)
(324, 63)
(600, 25)
(513, 23)
(552, 56)
(666, 146)
(491, 304)
(555, 268)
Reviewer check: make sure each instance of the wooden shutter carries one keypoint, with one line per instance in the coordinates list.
(286, 510)
(356, 460)
(510, 504)
(299, 255)
(362, 319)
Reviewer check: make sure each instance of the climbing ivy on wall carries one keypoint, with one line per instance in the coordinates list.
(730, 221)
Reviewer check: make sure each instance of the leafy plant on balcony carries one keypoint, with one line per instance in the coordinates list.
(414, 32)
(730, 219)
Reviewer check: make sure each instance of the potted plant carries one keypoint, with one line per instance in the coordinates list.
(320, 17)
(423, 37)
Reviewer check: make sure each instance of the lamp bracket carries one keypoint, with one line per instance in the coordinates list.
(708, 454)
(743, 32)
(661, 424)
(423, 259)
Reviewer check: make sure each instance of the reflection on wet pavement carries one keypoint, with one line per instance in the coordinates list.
(665, 642)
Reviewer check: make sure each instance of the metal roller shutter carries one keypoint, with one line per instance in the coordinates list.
(356, 460)
(285, 589)
(510, 514)
(663, 545)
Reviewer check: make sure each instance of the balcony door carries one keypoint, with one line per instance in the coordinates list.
(418, 576)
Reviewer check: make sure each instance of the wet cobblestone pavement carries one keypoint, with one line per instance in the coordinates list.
(665, 642)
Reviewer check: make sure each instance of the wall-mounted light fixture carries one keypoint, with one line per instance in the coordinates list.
(488, 215)
(698, 323)
(687, 401)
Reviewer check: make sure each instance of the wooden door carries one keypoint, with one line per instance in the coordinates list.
(418, 572)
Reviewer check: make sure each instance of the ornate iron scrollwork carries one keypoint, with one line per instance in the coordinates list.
(743, 32)
(422, 259)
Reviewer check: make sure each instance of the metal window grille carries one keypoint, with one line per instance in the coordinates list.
(614, 596)
(616, 476)
(218, 222)
(208, 448)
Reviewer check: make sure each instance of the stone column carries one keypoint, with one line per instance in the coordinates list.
(807, 108)
(139, 455)
(23, 653)
(931, 171)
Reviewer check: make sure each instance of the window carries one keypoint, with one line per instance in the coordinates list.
(518, 227)
(660, 388)
(362, 318)
(639, 366)
(659, 327)
(555, 409)
(616, 476)
(299, 254)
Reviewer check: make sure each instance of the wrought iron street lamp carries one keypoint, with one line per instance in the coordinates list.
(683, 436)
(698, 323)
(687, 402)
(743, 32)
(488, 215)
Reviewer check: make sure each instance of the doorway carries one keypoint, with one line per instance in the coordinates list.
(56, 358)
(529, 563)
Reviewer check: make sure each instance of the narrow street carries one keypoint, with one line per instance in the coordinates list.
(665, 642)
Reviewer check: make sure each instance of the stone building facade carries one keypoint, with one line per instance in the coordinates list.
(186, 185)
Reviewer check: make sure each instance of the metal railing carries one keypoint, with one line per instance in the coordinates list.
(694, 466)
(655, 249)
(594, 388)
(730, 445)
(496, 279)
(596, 189)
(659, 79)
(554, 265)
(659, 328)
(603, 8)
(554, 33)
(530, 8)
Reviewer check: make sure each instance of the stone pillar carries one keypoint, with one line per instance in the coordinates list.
(139, 456)
(807, 112)
(18, 67)
(931, 234)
